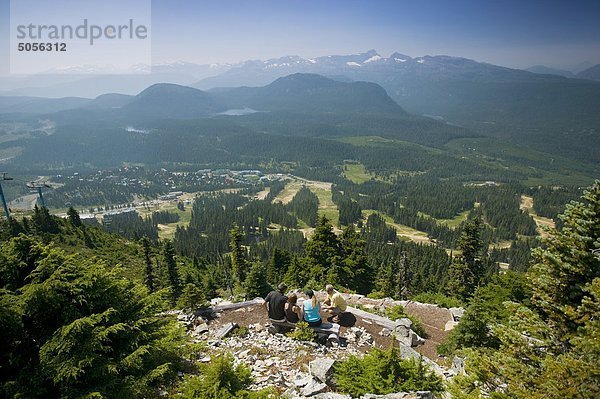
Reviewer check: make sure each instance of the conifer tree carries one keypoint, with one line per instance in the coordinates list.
(239, 263)
(149, 277)
(550, 349)
(466, 272)
(323, 252)
(562, 272)
(355, 271)
(76, 328)
(173, 272)
(73, 217)
(256, 285)
(42, 220)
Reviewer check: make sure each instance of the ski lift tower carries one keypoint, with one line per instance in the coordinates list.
(38, 187)
(3, 178)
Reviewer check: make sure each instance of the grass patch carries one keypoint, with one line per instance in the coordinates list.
(326, 205)
(455, 221)
(356, 173)
(401, 230)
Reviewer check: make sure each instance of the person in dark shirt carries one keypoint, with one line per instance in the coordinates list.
(275, 303)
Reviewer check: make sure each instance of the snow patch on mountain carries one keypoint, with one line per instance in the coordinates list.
(374, 58)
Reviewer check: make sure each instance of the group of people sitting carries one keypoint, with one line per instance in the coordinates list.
(284, 309)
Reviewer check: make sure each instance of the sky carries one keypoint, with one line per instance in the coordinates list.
(511, 33)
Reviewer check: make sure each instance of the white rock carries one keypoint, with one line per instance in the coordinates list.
(450, 324)
(322, 369)
(313, 387)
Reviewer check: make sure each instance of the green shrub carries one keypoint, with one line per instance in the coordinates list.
(487, 307)
(376, 295)
(241, 331)
(191, 297)
(302, 332)
(73, 326)
(220, 379)
(382, 372)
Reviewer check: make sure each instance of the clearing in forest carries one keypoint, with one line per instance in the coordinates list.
(356, 173)
(540, 221)
(414, 235)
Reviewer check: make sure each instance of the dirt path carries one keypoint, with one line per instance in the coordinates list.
(416, 236)
(541, 222)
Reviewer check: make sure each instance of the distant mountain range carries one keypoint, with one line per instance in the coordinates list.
(549, 112)
(297, 93)
(544, 70)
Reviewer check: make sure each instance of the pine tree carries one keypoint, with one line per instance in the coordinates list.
(43, 222)
(239, 263)
(277, 265)
(356, 273)
(295, 275)
(323, 252)
(466, 272)
(149, 277)
(75, 327)
(172, 271)
(562, 272)
(73, 217)
(550, 349)
(256, 284)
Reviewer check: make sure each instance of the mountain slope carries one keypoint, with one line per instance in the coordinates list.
(312, 93)
(544, 70)
(592, 73)
(172, 101)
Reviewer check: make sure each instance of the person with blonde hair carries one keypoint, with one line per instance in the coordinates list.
(312, 309)
(335, 303)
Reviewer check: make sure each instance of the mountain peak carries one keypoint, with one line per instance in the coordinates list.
(592, 73)
(166, 88)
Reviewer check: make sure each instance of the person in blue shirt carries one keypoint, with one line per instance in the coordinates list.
(312, 309)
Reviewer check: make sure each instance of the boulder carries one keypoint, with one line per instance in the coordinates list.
(201, 329)
(313, 387)
(226, 330)
(406, 336)
(450, 324)
(457, 313)
(401, 395)
(458, 365)
(322, 369)
(302, 380)
(331, 395)
(405, 322)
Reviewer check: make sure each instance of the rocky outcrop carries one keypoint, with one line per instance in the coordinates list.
(322, 370)
(299, 369)
(405, 335)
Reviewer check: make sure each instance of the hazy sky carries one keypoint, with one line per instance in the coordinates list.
(510, 32)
